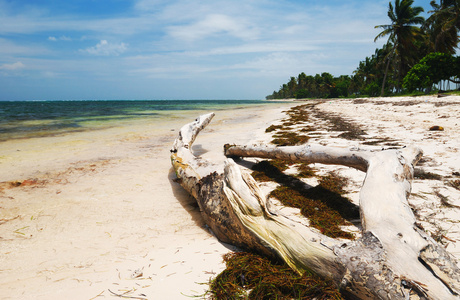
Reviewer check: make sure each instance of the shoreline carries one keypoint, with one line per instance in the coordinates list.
(93, 207)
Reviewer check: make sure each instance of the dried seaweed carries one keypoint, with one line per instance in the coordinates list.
(422, 174)
(323, 205)
(320, 206)
(285, 136)
(273, 128)
(289, 138)
(250, 276)
(455, 184)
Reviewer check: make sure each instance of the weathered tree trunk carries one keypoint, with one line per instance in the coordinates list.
(393, 259)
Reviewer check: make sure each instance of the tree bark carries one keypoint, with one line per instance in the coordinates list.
(382, 92)
(393, 259)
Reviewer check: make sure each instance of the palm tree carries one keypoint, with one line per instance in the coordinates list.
(402, 34)
(443, 25)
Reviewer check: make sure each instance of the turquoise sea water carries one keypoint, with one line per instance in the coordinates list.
(27, 119)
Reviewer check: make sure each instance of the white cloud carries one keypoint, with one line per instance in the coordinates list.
(61, 38)
(212, 25)
(105, 48)
(13, 66)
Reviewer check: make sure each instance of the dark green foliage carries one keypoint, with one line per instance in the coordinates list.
(319, 86)
(250, 276)
(418, 78)
(431, 69)
(341, 88)
(302, 94)
(372, 89)
(443, 26)
(404, 34)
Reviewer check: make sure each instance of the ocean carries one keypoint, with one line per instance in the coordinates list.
(32, 119)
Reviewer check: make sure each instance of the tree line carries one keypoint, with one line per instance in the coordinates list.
(419, 55)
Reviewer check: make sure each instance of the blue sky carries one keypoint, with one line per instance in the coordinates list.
(178, 49)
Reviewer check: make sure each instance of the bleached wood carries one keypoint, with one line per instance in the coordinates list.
(393, 257)
(354, 158)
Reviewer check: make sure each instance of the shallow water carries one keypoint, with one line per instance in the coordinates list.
(30, 119)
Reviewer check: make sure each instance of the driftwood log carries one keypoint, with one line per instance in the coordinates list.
(393, 259)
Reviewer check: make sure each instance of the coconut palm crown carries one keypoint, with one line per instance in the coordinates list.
(403, 33)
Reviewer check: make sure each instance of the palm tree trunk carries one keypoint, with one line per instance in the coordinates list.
(389, 58)
(385, 78)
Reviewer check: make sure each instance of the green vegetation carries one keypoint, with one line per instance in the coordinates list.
(418, 56)
(319, 86)
(433, 68)
(250, 276)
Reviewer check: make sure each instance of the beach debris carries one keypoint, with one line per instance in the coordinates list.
(371, 267)
(29, 182)
(455, 184)
(97, 295)
(125, 295)
(445, 201)
(15, 183)
(137, 273)
(3, 221)
(19, 230)
(436, 128)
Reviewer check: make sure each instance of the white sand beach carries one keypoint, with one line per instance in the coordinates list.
(92, 214)
(96, 206)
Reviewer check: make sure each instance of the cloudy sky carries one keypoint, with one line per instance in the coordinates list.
(178, 49)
